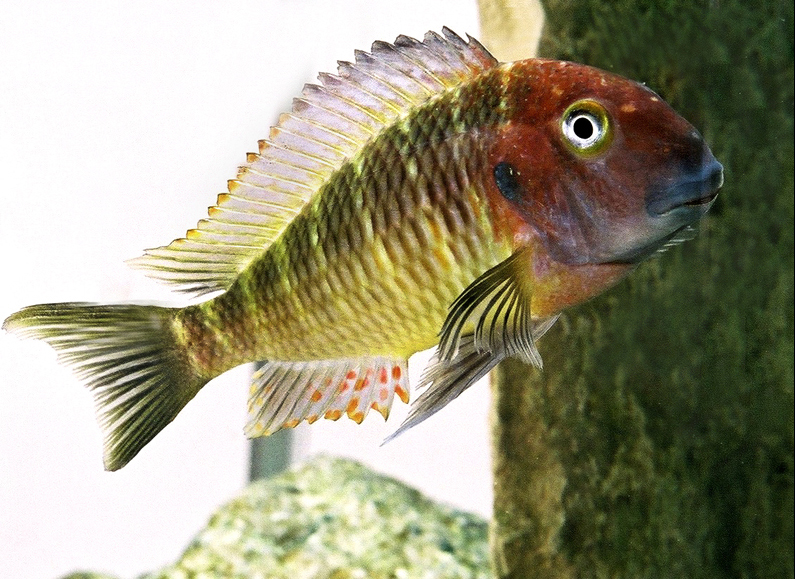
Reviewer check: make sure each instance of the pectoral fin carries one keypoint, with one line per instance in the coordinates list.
(490, 321)
(496, 310)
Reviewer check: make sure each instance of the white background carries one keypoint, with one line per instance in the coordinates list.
(119, 124)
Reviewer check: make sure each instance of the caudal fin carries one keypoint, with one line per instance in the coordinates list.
(127, 356)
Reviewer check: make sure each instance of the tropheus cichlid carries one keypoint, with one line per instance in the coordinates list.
(425, 194)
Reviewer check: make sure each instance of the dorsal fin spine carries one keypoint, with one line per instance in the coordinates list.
(305, 106)
(227, 198)
(243, 240)
(293, 139)
(387, 95)
(431, 77)
(243, 204)
(294, 173)
(283, 155)
(270, 182)
(255, 190)
(371, 65)
(410, 48)
(334, 83)
(260, 183)
(314, 132)
(406, 62)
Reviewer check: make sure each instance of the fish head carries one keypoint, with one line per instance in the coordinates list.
(596, 168)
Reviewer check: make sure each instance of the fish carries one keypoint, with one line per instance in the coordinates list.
(424, 195)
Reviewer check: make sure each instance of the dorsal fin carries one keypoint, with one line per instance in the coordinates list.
(328, 124)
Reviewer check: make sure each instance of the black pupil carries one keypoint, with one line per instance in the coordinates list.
(583, 127)
(507, 179)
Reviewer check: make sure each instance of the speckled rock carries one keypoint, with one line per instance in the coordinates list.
(335, 519)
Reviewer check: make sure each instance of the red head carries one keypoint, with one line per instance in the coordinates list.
(593, 169)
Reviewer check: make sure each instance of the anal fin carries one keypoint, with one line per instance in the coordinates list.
(285, 393)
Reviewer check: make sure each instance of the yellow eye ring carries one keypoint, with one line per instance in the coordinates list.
(586, 128)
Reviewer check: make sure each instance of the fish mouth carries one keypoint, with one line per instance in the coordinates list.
(690, 193)
(676, 207)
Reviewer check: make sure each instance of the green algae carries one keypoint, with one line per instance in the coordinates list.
(664, 414)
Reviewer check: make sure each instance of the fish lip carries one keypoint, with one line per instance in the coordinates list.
(696, 192)
(638, 254)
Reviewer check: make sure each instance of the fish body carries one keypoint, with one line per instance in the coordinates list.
(424, 195)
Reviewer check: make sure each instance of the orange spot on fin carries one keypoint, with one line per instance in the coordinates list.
(327, 388)
(383, 410)
(402, 394)
(333, 414)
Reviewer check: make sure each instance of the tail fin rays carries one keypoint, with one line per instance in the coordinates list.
(127, 356)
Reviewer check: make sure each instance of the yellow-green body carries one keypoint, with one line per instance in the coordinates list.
(373, 262)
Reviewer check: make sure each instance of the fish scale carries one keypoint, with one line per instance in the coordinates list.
(424, 194)
(376, 186)
(355, 307)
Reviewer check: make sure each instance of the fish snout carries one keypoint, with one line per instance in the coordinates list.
(690, 195)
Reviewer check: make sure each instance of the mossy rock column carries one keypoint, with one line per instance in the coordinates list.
(658, 440)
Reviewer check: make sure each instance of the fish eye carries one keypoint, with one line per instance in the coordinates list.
(586, 127)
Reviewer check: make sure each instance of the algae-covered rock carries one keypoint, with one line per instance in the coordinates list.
(658, 440)
(335, 519)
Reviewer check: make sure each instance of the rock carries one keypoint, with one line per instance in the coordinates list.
(658, 441)
(335, 519)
